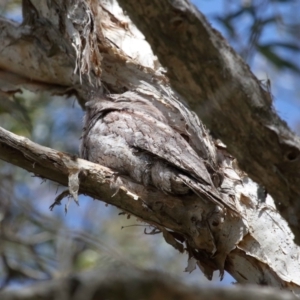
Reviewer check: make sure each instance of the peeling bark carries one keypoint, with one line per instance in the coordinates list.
(100, 45)
(228, 98)
(243, 244)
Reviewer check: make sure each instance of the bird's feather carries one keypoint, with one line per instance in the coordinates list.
(135, 139)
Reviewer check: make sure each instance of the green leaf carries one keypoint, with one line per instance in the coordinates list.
(13, 106)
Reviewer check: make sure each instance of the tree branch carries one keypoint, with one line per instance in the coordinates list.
(238, 242)
(237, 252)
(25, 53)
(95, 181)
(227, 97)
(132, 284)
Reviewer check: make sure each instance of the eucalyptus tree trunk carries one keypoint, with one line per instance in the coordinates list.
(194, 193)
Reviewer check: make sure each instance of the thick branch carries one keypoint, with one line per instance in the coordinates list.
(95, 181)
(219, 86)
(238, 253)
(23, 52)
(133, 284)
(214, 239)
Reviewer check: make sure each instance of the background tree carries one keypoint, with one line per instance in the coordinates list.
(14, 266)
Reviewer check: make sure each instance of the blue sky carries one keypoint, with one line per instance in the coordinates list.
(284, 83)
(284, 89)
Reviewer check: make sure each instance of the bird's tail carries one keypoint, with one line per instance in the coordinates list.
(207, 192)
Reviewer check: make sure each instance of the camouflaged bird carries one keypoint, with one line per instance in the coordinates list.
(130, 135)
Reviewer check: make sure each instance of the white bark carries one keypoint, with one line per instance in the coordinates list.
(255, 245)
(227, 97)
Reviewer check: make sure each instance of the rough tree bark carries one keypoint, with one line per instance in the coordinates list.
(93, 50)
(227, 97)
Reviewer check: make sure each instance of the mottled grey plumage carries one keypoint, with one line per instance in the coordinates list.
(133, 137)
